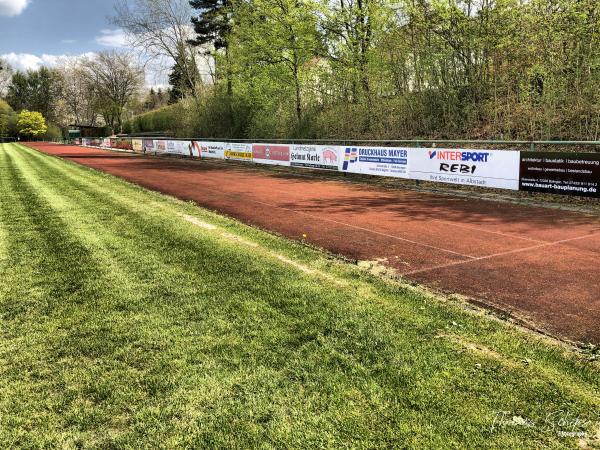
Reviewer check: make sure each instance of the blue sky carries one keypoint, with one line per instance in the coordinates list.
(38, 32)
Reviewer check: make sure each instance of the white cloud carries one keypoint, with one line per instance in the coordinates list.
(156, 74)
(27, 61)
(12, 8)
(112, 38)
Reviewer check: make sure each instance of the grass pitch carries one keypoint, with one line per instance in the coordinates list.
(130, 319)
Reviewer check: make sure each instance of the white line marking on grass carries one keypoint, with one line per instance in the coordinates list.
(254, 245)
(199, 223)
(509, 252)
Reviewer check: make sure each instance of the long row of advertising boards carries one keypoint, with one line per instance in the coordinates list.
(549, 172)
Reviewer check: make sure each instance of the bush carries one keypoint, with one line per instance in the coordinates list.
(53, 132)
(8, 120)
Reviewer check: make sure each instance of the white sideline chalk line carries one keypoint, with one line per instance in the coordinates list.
(509, 252)
(278, 256)
(199, 223)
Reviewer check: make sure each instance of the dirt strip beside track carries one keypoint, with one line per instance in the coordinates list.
(540, 264)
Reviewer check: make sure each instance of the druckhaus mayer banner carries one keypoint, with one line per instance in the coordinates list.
(483, 168)
(382, 161)
(277, 154)
(561, 173)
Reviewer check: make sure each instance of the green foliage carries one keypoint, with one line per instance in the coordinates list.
(182, 83)
(35, 91)
(53, 133)
(8, 120)
(31, 124)
(381, 69)
(162, 119)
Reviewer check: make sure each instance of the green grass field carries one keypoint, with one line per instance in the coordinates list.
(131, 319)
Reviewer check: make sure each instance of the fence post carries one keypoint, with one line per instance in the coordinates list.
(418, 182)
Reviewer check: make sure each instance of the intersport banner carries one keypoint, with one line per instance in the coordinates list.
(382, 161)
(239, 152)
(316, 156)
(271, 154)
(483, 168)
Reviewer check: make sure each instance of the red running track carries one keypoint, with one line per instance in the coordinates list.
(539, 264)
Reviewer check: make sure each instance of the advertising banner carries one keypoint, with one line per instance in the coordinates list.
(106, 143)
(124, 144)
(238, 152)
(95, 142)
(211, 149)
(483, 168)
(271, 154)
(178, 147)
(383, 161)
(316, 156)
(561, 173)
(195, 149)
(148, 145)
(160, 146)
(138, 145)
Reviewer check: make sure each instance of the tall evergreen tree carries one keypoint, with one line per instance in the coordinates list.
(181, 82)
(212, 27)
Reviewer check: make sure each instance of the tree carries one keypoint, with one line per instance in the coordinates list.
(77, 94)
(8, 120)
(37, 90)
(351, 30)
(6, 73)
(31, 124)
(160, 29)
(212, 27)
(281, 36)
(181, 84)
(114, 79)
